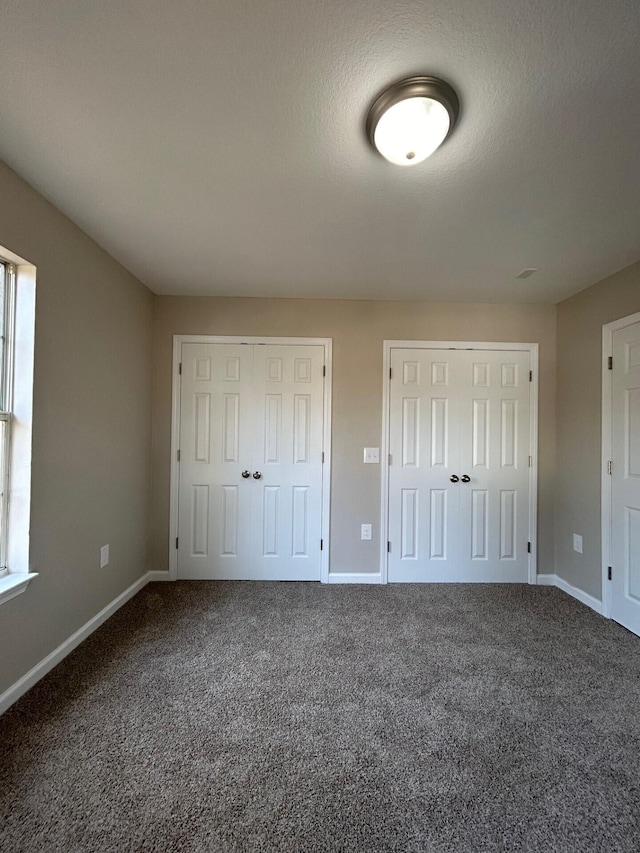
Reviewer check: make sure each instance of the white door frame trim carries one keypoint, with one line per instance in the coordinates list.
(607, 439)
(504, 346)
(178, 340)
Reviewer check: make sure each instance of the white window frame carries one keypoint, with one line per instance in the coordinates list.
(17, 381)
(6, 395)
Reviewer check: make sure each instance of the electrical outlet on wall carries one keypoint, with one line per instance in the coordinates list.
(577, 543)
(104, 556)
(365, 531)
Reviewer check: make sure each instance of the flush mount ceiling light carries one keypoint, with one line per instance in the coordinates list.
(410, 119)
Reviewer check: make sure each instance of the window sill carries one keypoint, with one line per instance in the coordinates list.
(13, 584)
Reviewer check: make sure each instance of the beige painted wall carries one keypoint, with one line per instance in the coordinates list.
(358, 330)
(579, 406)
(92, 425)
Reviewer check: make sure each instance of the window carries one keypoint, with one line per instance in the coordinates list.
(7, 290)
(17, 327)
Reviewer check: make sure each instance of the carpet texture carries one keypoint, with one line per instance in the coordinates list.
(210, 716)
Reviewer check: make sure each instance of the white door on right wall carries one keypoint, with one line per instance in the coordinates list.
(625, 478)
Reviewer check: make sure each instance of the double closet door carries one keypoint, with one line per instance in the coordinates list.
(251, 461)
(459, 465)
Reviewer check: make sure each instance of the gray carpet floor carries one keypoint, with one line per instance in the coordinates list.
(300, 717)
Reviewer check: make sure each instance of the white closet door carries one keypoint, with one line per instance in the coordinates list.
(216, 446)
(424, 431)
(625, 485)
(287, 498)
(494, 450)
(251, 440)
(459, 470)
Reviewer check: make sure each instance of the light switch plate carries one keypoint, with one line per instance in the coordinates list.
(577, 543)
(372, 454)
(104, 556)
(365, 531)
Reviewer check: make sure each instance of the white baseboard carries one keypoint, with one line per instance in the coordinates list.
(158, 576)
(582, 596)
(574, 591)
(47, 664)
(354, 577)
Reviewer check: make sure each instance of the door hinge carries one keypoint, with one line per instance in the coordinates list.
(610, 362)
(323, 457)
(178, 456)
(180, 368)
(388, 547)
(321, 544)
(531, 462)
(531, 376)
(389, 373)
(324, 370)
(389, 459)
(528, 547)
(176, 543)
(609, 468)
(609, 573)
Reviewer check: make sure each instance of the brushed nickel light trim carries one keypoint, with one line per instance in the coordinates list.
(425, 87)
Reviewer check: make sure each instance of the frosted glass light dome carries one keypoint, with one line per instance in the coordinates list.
(411, 130)
(411, 119)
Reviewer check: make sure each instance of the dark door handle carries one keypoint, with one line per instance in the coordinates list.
(466, 478)
(257, 475)
(454, 478)
(246, 474)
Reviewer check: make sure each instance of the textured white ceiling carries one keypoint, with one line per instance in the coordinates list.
(218, 147)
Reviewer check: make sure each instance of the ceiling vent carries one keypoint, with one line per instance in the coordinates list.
(527, 273)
